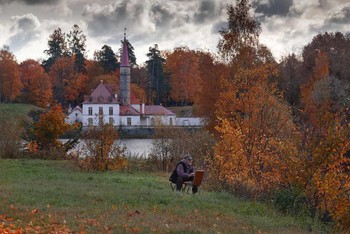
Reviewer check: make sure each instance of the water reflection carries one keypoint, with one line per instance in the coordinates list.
(135, 147)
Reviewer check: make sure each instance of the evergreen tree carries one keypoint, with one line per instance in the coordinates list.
(158, 85)
(57, 48)
(107, 58)
(76, 42)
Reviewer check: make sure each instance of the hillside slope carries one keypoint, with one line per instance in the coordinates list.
(54, 196)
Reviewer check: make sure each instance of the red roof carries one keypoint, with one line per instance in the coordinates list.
(157, 110)
(128, 110)
(100, 95)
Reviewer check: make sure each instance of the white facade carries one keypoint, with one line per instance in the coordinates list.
(75, 115)
(94, 113)
(190, 121)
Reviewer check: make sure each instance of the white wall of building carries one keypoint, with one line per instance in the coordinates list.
(190, 121)
(135, 120)
(74, 116)
(94, 115)
(158, 120)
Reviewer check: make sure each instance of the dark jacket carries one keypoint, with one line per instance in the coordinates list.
(182, 169)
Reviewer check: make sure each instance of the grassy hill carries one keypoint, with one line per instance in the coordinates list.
(40, 196)
(16, 110)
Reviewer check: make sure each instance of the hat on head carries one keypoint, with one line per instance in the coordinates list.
(188, 157)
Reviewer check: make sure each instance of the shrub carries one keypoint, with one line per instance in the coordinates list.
(290, 201)
(10, 142)
(101, 152)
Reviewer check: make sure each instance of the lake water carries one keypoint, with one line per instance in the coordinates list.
(135, 147)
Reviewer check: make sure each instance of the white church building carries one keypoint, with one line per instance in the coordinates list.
(104, 106)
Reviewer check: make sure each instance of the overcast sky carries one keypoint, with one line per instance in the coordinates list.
(287, 25)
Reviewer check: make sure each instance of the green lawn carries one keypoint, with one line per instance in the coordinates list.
(16, 110)
(46, 196)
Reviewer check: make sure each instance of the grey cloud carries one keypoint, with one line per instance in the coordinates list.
(30, 2)
(106, 20)
(206, 11)
(101, 20)
(218, 26)
(273, 7)
(342, 17)
(25, 29)
(161, 15)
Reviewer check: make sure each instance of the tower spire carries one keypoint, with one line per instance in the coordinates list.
(125, 74)
(125, 55)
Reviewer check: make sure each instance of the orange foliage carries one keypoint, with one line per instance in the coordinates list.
(183, 67)
(253, 126)
(325, 170)
(139, 93)
(211, 73)
(314, 111)
(103, 154)
(37, 88)
(10, 82)
(50, 126)
(68, 85)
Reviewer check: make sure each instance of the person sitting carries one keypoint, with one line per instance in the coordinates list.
(184, 171)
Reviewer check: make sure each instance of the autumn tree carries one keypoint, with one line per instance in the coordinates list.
(50, 126)
(253, 123)
(37, 87)
(140, 79)
(182, 65)
(10, 82)
(68, 86)
(57, 48)
(240, 39)
(77, 48)
(290, 80)
(139, 92)
(336, 47)
(326, 170)
(211, 72)
(325, 144)
(102, 152)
